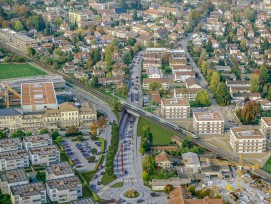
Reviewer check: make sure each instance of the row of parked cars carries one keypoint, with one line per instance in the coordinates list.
(67, 148)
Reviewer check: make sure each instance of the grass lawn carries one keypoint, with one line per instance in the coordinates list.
(267, 165)
(160, 135)
(117, 185)
(88, 175)
(11, 70)
(63, 157)
(86, 193)
(106, 179)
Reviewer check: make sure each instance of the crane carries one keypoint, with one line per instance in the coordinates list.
(7, 90)
(239, 165)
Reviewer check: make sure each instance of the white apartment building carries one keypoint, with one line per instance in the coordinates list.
(188, 93)
(13, 160)
(10, 144)
(156, 50)
(175, 108)
(12, 178)
(64, 190)
(44, 155)
(163, 81)
(265, 126)
(37, 141)
(32, 193)
(154, 72)
(247, 139)
(59, 170)
(208, 122)
(182, 76)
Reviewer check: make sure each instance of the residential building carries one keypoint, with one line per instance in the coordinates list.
(38, 96)
(37, 141)
(59, 170)
(154, 72)
(32, 193)
(191, 161)
(159, 184)
(163, 81)
(12, 178)
(247, 139)
(183, 76)
(265, 126)
(77, 17)
(10, 118)
(44, 155)
(163, 160)
(266, 104)
(180, 195)
(64, 189)
(175, 108)
(16, 40)
(14, 160)
(188, 93)
(87, 201)
(208, 122)
(10, 144)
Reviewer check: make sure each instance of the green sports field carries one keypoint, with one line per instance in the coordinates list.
(10, 70)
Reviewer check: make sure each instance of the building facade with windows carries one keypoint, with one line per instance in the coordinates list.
(14, 160)
(44, 155)
(37, 141)
(11, 144)
(175, 108)
(265, 126)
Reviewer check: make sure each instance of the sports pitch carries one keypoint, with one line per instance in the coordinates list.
(9, 70)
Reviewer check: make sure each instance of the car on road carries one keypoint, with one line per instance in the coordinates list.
(154, 194)
(139, 200)
(92, 187)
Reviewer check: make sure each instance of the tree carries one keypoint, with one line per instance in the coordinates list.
(55, 134)
(31, 51)
(94, 82)
(135, 15)
(93, 129)
(214, 81)
(91, 159)
(222, 94)
(168, 188)
(123, 91)
(254, 83)
(58, 21)
(131, 41)
(93, 151)
(209, 46)
(145, 176)
(18, 133)
(18, 25)
(204, 68)
(250, 112)
(101, 122)
(203, 98)
(36, 22)
(155, 86)
(2, 135)
(108, 56)
(28, 133)
(72, 130)
(128, 58)
(243, 45)
(263, 75)
(123, 4)
(109, 74)
(44, 131)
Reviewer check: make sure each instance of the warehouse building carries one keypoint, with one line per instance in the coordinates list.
(32, 193)
(38, 96)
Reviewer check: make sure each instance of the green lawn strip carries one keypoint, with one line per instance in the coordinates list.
(117, 185)
(11, 70)
(106, 179)
(160, 135)
(267, 166)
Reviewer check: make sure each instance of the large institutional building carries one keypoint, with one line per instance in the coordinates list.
(65, 116)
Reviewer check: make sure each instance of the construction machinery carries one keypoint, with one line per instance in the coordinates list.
(7, 96)
(240, 167)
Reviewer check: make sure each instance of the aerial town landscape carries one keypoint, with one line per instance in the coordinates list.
(135, 101)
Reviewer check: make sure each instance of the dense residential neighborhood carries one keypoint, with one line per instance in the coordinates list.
(142, 101)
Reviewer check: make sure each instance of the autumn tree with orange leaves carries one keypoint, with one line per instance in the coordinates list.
(250, 112)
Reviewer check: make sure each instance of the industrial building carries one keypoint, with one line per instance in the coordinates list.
(12, 178)
(44, 155)
(247, 139)
(64, 189)
(175, 108)
(37, 141)
(17, 40)
(15, 84)
(208, 122)
(38, 96)
(13, 160)
(10, 144)
(59, 170)
(28, 193)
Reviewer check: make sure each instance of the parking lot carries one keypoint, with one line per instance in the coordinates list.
(79, 153)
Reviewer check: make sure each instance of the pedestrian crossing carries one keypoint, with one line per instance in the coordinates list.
(128, 180)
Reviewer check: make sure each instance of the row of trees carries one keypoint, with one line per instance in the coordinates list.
(146, 140)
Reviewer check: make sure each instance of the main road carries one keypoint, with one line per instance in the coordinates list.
(181, 132)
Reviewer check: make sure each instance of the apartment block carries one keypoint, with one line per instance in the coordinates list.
(12, 178)
(32, 193)
(16, 40)
(77, 17)
(10, 144)
(265, 126)
(37, 141)
(13, 160)
(163, 81)
(11, 118)
(58, 171)
(64, 190)
(208, 122)
(175, 108)
(44, 155)
(247, 139)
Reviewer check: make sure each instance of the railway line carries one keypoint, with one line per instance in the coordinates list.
(182, 133)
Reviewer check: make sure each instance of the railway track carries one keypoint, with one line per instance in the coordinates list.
(182, 134)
